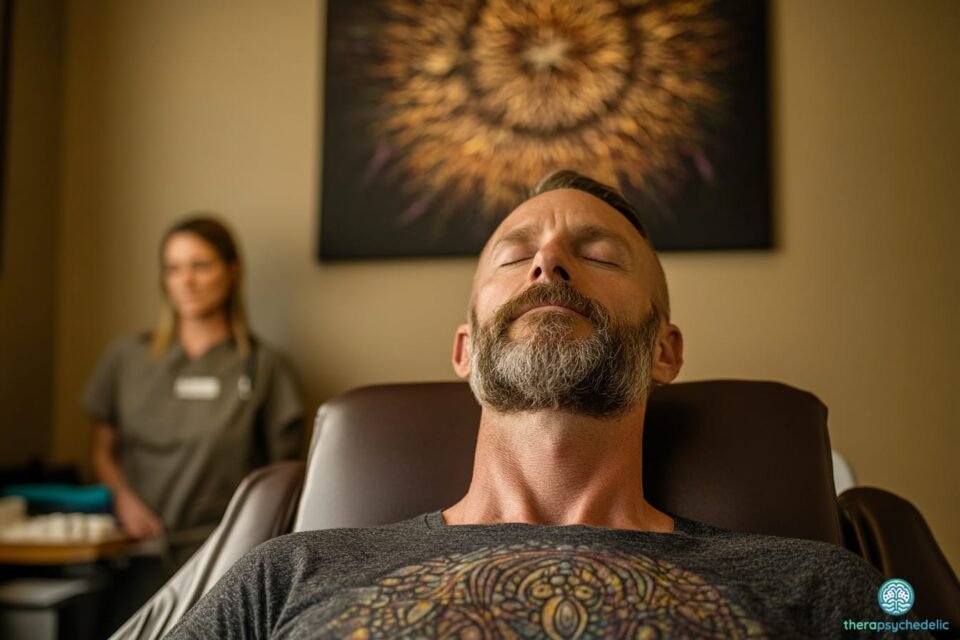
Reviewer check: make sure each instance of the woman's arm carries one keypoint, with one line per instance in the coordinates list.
(136, 519)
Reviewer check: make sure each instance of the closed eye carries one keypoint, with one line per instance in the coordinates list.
(599, 261)
(513, 261)
(602, 248)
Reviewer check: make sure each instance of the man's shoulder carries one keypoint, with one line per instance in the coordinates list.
(780, 554)
(318, 543)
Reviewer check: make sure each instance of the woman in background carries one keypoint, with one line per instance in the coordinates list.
(183, 413)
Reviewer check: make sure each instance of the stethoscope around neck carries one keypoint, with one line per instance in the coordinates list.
(245, 381)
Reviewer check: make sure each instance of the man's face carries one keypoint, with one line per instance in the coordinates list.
(561, 312)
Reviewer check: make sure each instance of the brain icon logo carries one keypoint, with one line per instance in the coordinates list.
(896, 597)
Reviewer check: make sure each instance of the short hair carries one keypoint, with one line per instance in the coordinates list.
(214, 232)
(569, 179)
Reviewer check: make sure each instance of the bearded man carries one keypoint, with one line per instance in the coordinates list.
(568, 329)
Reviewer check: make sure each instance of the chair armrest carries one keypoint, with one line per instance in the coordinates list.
(261, 508)
(890, 534)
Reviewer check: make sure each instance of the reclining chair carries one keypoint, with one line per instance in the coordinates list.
(748, 456)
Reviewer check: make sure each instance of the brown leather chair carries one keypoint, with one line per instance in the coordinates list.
(748, 456)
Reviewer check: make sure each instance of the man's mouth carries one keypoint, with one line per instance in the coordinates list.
(551, 297)
(545, 306)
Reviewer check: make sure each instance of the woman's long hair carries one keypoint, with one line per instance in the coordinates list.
(214, 233)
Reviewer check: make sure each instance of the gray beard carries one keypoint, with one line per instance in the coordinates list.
(602, 375)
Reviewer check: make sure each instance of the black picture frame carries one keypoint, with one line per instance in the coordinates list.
(716, 198)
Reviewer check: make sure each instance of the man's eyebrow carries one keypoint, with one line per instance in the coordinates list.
(589, 233)
(518, 235)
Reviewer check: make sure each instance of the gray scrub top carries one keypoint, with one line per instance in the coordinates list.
(184, 456)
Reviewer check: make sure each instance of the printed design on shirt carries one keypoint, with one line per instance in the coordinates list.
(537, 590)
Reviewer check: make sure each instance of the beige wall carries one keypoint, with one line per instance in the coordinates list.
(177, 105)
(29, 261)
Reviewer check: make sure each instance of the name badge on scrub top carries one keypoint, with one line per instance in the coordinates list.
(197, 387)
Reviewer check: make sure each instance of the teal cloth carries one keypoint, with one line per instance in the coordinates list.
(64, 497)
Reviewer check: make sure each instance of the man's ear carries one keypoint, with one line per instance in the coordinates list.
(461, 351)
(668, 355)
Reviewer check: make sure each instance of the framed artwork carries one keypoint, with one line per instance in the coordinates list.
(440, 115)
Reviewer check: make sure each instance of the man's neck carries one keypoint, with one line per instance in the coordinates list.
(558, 468)
(198, 335)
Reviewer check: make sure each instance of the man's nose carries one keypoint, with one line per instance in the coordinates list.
(550, 265)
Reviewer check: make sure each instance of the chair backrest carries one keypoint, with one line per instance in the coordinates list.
(747, 456)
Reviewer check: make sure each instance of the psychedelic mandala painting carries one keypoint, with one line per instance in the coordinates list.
(440, 115)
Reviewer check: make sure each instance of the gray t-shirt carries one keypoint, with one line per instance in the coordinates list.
(422, 578)
(188, 430)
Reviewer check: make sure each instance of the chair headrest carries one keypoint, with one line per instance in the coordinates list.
(742, 455)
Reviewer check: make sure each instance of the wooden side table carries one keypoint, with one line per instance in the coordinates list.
(61, 554)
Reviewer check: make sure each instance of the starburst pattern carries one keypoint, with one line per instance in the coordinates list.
(477, 100)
